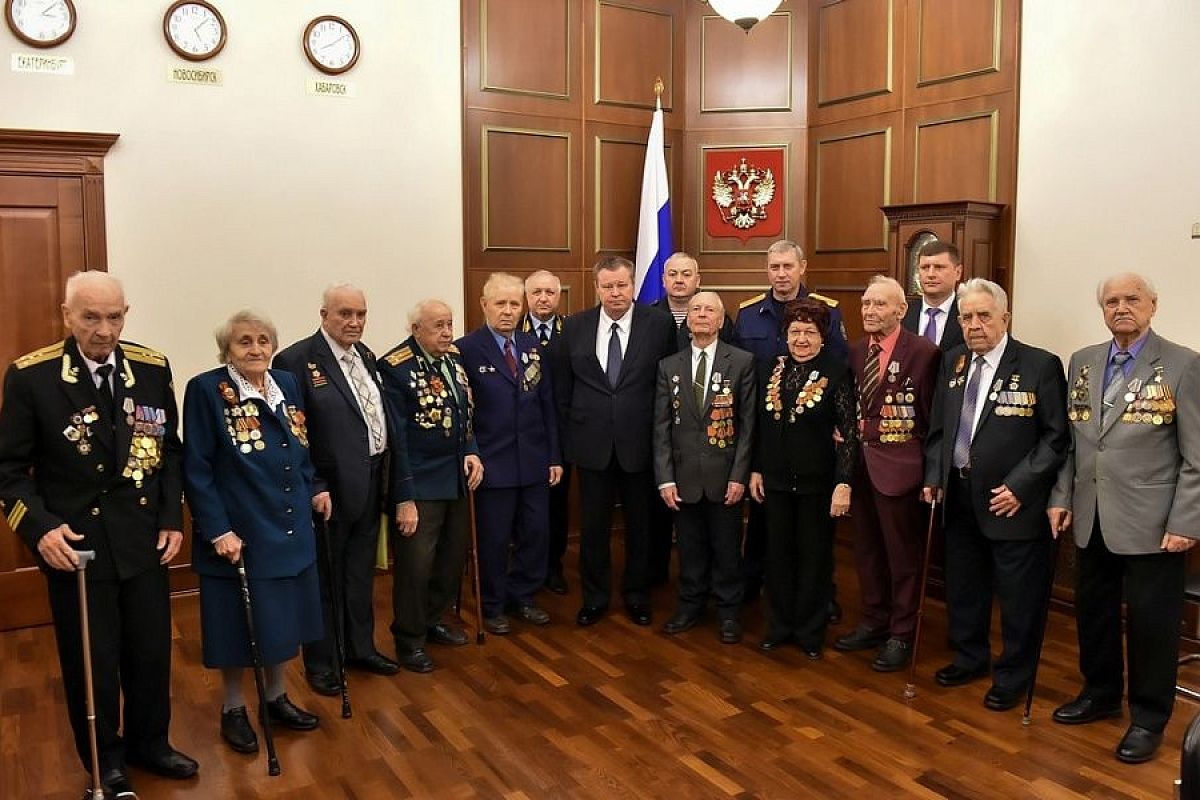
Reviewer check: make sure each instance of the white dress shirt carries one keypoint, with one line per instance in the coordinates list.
(940, 320)
(711, 350)
(95, 365)
(340, 354)
(991, 362)
(604, 333)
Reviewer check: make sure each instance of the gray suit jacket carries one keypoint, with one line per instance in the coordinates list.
(1144, 479)
(686, 451)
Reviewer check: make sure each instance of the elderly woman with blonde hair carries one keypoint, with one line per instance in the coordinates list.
(251, 489)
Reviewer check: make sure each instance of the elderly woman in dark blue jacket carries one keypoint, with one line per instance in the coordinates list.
(250, 486)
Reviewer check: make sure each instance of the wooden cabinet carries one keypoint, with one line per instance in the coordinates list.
(974, 226)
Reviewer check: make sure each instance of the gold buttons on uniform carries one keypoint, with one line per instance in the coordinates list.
(143, 501)
(95, 511)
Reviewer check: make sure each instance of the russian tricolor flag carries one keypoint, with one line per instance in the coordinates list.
(654, 242)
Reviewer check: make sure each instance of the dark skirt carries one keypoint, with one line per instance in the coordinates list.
(287, 613)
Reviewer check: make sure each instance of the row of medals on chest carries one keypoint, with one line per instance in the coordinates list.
(1010, 402)
(898, 415)
(434, 406)
(810, 394)
(720, 428)
(1147, 403)
(245, 428)
(145, 446)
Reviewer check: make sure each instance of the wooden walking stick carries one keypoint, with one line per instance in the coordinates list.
(97, 790)
(479, 635)
(259, 678)
(910, 688)
(339, 635)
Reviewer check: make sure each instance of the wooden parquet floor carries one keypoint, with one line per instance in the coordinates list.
(612, 711)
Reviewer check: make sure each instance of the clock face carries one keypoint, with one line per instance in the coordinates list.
(331, 44)
(913, 273)
(194, 29)
(41, 23)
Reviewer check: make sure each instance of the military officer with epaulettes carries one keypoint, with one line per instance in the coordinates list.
(434, 463)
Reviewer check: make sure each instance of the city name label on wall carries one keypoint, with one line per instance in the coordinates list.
(46, 65)
(197, 76)
(321, 87)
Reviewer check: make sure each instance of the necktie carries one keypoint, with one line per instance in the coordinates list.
(870, 374)
(107, 406)
(509, 359)
(931, 326)
(369, 409)
(544, 334)
(1116, 384)
(700, 379)
(613, 370)
(966, 420)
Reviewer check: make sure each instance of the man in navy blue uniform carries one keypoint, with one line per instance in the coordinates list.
(757, 329)
(517, 434)
(543, 293)
(434, 463)
(90, 460)
(347, 430)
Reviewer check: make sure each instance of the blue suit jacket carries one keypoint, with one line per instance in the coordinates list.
(515, 421)
(758, 328)
(433, 434)
(262, 495)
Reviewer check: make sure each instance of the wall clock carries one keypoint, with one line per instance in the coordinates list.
(331, 44)
(41, 23)
(195, 29)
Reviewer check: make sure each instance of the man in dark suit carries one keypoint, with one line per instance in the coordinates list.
(543, 293)
(90, 460)
(997, 437)
(895, 372)
(1135, 423)
(607, 365)
(703, 430)
(936, 316)
(348, 437)
(434, 463)
(517, 434)
(681, 280)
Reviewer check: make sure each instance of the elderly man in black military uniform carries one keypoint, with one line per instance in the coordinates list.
(90, 460)
(435, 462)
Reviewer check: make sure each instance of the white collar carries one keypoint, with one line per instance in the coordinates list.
(944, 307)
(339, 352)
(711, 349)
(95, 365)
(623, 323)
(992, 357)
(273, 395)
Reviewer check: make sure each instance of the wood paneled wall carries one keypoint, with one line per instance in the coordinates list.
(872, 102)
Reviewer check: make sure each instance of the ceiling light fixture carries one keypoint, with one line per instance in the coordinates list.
(744, 13)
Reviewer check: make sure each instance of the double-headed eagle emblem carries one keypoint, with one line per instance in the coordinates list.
(742, 194)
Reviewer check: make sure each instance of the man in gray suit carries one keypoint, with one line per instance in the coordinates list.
(703, 429)
(1131, 490)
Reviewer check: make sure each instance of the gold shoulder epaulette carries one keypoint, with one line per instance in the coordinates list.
(144, 355)
(454, 349)
(398, 357)
(46, 353)
(758, 298)
(829, 301)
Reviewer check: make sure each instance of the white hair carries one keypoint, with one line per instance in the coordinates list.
(682, 256)
(1125, 276)
(542, 273)
(332, 289)
(90, 279)
(498, 281)
(422, 308)
(891, 283)
(224, 332)
(708, 293)
(984, 286)
(786, 245)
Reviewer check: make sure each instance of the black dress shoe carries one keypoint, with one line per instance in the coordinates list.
(639, 613)
(442, 633)
(814, 652)
(236, 730)
(416, 660)
(116, 783)
(590, 615)
(773, 642)
(729, 631)
(497, 625)
(533, 614)
(1138, 745)
(325, 683)
(169, 763)
(859, 639)
(893, 656)
(680, 621)
(283, 711)
(1084, 709)
(954, 675)
(555, 582)
(376, 663)
(1002, 698)
(834, 612)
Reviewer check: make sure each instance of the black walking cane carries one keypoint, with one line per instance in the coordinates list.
(259, 678)
(479, 635)
(339, 634)
(84, 556)
(910, 688)
(1025, 718)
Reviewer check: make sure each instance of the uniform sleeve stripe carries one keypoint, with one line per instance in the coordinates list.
(17, 514)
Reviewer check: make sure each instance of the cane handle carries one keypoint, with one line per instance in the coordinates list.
(84, 557)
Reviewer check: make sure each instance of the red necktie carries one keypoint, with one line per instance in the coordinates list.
(509, 358)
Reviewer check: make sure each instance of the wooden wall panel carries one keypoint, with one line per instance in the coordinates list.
(851, 180)
(614, 165)
(633, 45)
(960, 48)
(739, 73)
(963, 150)
(525, 177)
(509, 32)
(856, 69)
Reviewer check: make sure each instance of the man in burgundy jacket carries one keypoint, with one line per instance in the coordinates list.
(895, 372)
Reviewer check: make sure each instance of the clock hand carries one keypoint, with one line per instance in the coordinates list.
(335, 41)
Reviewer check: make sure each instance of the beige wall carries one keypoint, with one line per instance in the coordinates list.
(1108, 176)
(255, 193)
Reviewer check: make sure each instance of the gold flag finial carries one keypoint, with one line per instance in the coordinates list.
(658, 86)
